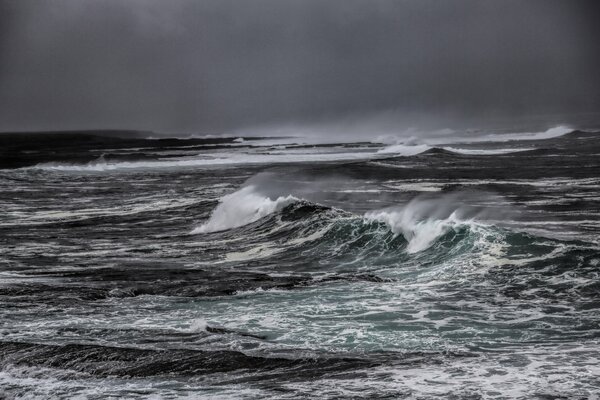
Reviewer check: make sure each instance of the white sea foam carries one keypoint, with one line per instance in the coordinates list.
(548, 134)
(261, 251)
(484, 152)
(241, 208)
(420, 234)
(554, 132)
(422, 221)
(404, 149)
(415, 186)
(414, 149)
(132, 207)
(261, 152)
(198, 325)
(209, 160)
(413, 137)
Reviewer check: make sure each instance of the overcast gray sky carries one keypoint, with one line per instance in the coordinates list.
(216, 65)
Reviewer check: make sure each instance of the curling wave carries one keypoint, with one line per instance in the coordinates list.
(419, 233)
(241, 208)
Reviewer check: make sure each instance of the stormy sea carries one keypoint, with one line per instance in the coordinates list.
(465, 266)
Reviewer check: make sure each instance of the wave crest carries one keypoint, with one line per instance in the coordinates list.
(422, 221)
(404, 149)
(241, 208)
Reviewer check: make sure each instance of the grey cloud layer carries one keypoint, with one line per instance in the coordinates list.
(214, 65)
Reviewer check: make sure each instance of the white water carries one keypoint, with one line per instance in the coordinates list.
(411, 150)
(548, 134)
(421, 221)
(241, 208)
(484, 152)
(404, 150)
(412, 145)
(420, 234)
(208, 160)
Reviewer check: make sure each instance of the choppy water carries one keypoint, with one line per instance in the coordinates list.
(282, 271)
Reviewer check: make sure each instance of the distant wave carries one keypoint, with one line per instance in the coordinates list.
(268, 155)
(214, 159)
(101, 165)
(404, 150)
(411, 146)
(551, 133)
(412, 150)
(486, 151)
(398, 143)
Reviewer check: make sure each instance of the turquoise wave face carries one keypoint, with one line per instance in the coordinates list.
(473, 285)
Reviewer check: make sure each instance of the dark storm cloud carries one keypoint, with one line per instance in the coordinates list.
(220, 64)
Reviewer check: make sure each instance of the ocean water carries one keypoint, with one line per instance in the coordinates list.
(285, 268)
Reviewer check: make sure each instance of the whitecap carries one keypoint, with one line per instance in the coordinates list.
(404, 150)
(241, 208)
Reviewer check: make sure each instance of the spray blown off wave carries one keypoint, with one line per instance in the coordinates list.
(241, 208)
(419, 234)
(554, 132)
(412, 145)
(405, 150)
(423, 220)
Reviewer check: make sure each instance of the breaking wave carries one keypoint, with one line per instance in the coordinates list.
(404, 150)
(413, 146)
(241, 208)
(554, 132)
(410, 229)
(412, 150)
(550, 133)
(208, 160)
(485, 152)
(419, 233)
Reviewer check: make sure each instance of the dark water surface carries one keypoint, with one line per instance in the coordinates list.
(241, 269)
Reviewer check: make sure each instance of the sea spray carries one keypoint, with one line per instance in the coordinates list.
(404, 150)
(241, 208)
(423, 220)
